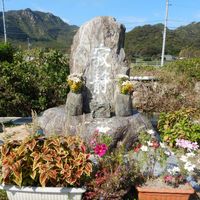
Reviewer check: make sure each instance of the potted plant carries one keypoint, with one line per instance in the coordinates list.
(45, 168)
(168, 184)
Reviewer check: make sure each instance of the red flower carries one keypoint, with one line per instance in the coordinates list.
(137, 148)
(155, 144)
(100, 149)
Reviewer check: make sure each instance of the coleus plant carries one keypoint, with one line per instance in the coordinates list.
(39, 161)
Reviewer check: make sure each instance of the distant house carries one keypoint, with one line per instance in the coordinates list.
(169, 57)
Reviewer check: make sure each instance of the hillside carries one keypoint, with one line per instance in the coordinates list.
(146, 41)
(42, 29)
(47, 30)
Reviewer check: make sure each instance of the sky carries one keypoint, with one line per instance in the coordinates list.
(129, 12)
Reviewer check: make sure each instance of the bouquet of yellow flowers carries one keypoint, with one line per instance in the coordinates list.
(126, 87)
(75, 83)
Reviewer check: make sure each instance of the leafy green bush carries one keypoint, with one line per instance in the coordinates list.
(188, 67)
(178, 125)
(34, 80)
(6, 52)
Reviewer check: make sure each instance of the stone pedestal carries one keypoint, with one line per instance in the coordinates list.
(123, 105)
(74, 104)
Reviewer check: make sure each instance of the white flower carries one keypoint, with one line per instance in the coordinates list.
(151, 132)
(120, 76)
(168, 153)
(189, 166)
(150, 144)
(126, 83)
(103, 129)
(191, 154)
(75, 77)
(162, 145)
(176, 169)
(144, 148)
(76, 80)
(184, 158)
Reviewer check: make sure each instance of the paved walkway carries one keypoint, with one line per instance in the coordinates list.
(16, 120)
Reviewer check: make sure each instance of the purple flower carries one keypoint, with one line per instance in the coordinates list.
(186, 144)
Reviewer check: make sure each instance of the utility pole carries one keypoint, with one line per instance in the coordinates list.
(4, 22)
(164, 33)
(29, 44)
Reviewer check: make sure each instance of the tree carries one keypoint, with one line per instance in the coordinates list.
(6, 52)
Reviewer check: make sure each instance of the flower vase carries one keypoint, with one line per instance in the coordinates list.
(123, 105)
(74, 104)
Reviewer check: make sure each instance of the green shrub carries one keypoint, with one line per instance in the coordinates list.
(34, 80)
(6, 52)
(178, 125)
(189, 67)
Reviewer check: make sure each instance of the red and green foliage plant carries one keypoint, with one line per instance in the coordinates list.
(39, 161)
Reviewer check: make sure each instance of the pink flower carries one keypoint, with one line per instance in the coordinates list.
(100, 149)
(186, 144)
(168, 178)
(93, 142)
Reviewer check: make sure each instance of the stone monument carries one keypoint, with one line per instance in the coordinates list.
(97, 54)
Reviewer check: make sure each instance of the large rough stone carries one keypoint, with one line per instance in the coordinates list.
(53, 120)
(74, 104)
(122, 129)
(123, 105)
(97, 53)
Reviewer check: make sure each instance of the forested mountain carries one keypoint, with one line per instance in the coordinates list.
(46, 30)
(42, 29)
(146, 41)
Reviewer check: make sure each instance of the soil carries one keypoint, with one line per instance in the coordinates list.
(15, 133)
(159, 183)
